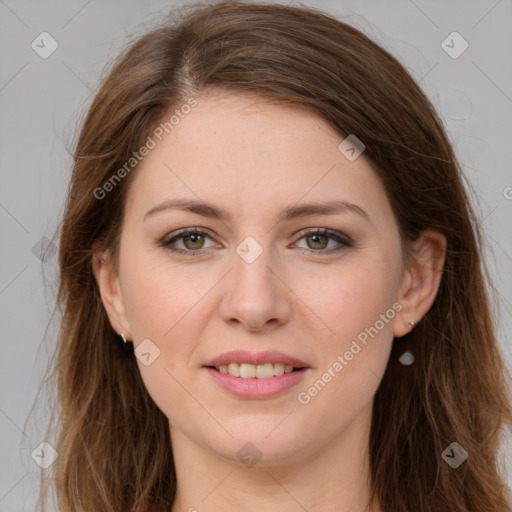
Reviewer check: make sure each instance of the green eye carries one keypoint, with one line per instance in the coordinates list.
(193, 239)
(320, 239)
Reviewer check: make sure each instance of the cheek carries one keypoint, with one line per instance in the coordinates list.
(355, 297)
(162, 297)
(166, 304)
(352, 363)
(359, 305)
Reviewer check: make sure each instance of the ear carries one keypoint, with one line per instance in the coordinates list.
(421, 279)
(110, 291)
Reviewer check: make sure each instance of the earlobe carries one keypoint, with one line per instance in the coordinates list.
(421, 279)
(110, 292)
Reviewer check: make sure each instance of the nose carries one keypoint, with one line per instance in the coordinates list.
(255, 295)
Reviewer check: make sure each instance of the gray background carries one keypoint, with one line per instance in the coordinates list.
(42, 101)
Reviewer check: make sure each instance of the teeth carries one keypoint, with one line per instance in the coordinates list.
(247, 371)
(233, 369)
(279, 369)
(260, 371)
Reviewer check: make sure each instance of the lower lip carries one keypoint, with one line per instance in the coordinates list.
(257, 388)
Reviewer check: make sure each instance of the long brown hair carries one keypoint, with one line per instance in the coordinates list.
(113, 442)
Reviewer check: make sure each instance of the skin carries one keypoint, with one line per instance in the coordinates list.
(253, 158)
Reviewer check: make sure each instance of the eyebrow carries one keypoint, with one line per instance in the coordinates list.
(288, 213)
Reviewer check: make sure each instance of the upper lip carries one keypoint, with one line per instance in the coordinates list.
(244, 356)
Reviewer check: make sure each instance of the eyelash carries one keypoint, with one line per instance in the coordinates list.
(342, 239)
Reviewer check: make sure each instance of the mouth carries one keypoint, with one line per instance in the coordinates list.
(249, 387)
(258, 371)
(256, 375)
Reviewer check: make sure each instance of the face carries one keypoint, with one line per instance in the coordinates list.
(268, 278)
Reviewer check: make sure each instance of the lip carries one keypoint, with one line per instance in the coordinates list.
(254, 388)
(244, 356)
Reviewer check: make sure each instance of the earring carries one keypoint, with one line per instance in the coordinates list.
(125, 345)
(407, 358)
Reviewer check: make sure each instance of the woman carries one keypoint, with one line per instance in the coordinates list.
(267, 215)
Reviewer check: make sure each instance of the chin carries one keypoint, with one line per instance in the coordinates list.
(271, 442)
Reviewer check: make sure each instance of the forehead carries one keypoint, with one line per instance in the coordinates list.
(246, 153)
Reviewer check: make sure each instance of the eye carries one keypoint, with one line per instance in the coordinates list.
(317, 240)
(192, 239)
